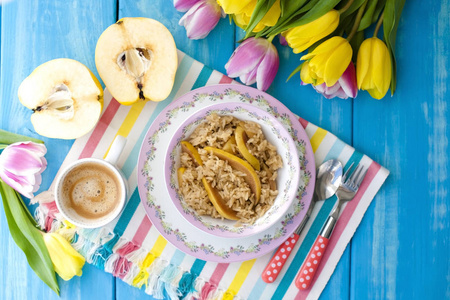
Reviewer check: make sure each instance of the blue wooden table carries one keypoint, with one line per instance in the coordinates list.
(401, 250)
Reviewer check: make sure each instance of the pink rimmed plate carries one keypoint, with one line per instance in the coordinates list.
(166, 217)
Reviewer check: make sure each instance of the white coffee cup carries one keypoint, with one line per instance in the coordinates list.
(110, 163)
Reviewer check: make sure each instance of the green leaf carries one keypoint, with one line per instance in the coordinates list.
(10, 138)
(392, 12)
(27, 236)
(366, 20)
(292, 10)
(318, 10)
(294, 72)
(261, 9)
(356, 43)
(354, 7)
(378, 9)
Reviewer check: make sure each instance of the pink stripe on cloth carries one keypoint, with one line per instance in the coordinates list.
(344, 218)
(142, 231)
(225, 79)
(214, 280)
(127, 248)
(100, 129)
(303, 122)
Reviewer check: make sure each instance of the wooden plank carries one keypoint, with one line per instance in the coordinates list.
(34, 32)
(402, 249)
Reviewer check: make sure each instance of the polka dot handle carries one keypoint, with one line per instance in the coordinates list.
(277, 262)
(306, 275)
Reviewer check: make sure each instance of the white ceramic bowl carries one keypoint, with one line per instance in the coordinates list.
(287, 180)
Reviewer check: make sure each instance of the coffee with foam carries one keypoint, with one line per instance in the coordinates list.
(92, 190)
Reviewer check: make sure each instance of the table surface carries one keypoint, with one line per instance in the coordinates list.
(401, 248)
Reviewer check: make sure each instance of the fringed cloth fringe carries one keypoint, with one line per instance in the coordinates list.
(130, 262)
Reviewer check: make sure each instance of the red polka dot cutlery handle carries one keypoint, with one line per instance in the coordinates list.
(312, 261)
(279, 259)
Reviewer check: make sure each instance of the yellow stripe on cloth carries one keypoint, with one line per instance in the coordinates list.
(239, 279)
(142, 276)
(129, 121)
(317, 138)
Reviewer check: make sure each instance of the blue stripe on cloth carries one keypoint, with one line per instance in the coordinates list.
(197, 267)
(258, 289)
(177, 258)
(202, 78)
(127, 213)
(311, 236)
(335, 150)
(182, 72)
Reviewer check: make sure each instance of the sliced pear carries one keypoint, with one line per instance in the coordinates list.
(237, 163)
(241, 140)
(180, 173)
(137, 60)
(66, 98)
(229, 145)
(218, 202)
(193, 153)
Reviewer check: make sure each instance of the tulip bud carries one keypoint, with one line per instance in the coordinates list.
(302, 37)
(345, 87)
(373, 67)
(66, 261)
(21, 165)
(201, 19)
(184, 5)
(255, 60)
(327, 62)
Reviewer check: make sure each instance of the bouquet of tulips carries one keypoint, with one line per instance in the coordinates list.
(21, 164)
(333, 32)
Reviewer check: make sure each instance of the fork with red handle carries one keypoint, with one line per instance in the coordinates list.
(345, 192)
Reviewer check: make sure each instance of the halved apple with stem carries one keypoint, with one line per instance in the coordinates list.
(66, 98)
(137, 60)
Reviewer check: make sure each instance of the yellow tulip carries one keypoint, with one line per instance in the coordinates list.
(242, 18)
(327, 62)
(66, 261)
(233, 6)
(373, 67)
(302, 37)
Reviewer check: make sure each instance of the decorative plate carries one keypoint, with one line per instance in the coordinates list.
(287, 177)
(162, 211)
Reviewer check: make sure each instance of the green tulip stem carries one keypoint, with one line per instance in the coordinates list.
(347, 6)
(270, 38)
(357, 21)
(380, 21)
(3, 146)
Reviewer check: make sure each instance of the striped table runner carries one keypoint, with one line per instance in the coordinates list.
(133, 250)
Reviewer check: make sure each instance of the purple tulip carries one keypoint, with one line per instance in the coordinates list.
(21, 165)
(255, 60)
(184, 5)
(282, 40)
(345, 87)
(201, 18)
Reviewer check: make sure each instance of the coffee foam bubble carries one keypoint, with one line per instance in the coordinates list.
(91, 190)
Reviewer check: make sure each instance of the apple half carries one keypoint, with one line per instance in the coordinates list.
(66, 98)
(137, 60)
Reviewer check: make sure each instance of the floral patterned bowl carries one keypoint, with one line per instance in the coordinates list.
(287, 179)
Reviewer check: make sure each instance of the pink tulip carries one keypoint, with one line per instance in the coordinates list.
(345, 87)
(201, 19)
(255, 60)
(282, 40)
(184, 5)
(21, 165)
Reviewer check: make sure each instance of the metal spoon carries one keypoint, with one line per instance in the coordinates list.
(328, 180)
